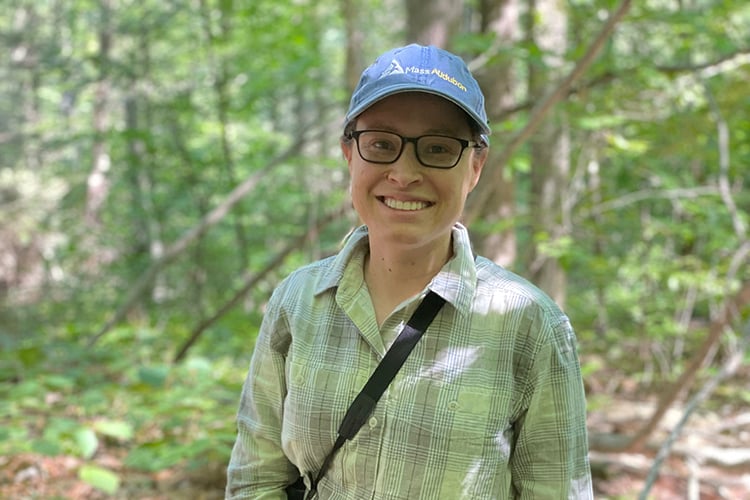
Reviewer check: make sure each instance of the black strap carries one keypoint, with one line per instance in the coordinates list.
(364, 404)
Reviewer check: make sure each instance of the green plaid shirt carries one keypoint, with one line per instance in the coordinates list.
(490, 404)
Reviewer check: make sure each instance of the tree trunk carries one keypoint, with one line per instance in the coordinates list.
(499, 17)
(221, 91)
(97, 184)
(354, 45)
(433, 23)
(147, 240)
(549, 149)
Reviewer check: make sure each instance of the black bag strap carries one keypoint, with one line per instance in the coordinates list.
(364, 404)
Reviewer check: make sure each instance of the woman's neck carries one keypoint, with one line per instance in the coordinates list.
(394, 274)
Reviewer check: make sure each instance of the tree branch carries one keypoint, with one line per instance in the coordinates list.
(192, 235)
(648, 194)
(722, 133)
(727, 62)
(601, 79)
(252, 280)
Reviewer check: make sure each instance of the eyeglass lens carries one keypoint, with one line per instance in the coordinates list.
(432, 150)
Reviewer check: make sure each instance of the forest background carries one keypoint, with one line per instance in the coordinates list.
(163, 164)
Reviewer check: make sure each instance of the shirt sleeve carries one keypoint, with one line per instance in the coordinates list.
(550, 460)
(258, 467)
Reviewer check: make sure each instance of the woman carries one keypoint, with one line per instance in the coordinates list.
(490, 403)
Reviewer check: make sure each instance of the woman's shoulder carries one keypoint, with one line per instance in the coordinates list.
(307, 276)
(494, 279)
(542, 320)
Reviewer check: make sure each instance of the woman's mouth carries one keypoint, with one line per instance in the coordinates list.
(407, 206)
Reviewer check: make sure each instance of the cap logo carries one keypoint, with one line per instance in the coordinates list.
(395, 69)
(448, 79)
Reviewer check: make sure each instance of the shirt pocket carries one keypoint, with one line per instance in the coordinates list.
(461, 419)
(476, 423)
(470, 440)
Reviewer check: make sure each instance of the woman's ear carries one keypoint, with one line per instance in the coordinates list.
(346, 149)
(478, 159)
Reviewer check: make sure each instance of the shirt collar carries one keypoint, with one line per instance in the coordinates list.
(456, 281)
(356, 242)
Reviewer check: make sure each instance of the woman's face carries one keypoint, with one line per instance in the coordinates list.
(405, 202)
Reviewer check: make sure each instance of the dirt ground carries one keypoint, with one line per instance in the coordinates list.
(710, 460)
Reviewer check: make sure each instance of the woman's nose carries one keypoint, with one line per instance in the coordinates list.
(407, 169)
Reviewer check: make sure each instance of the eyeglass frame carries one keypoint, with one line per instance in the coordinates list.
(355, 134)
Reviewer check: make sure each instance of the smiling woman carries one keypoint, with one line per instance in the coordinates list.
(490, 402)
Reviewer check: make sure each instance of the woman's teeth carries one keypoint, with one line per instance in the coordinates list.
(405, 205)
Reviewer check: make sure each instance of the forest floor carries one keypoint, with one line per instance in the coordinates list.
(710, 459)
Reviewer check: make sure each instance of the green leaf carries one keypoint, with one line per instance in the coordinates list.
(155, 376)
(200, 365)
(87, 442)
(153, 456)
(45, 446)
(100, 478)
(59, 382)
(622, 143)
(31, 355)
(115, 429)
(596, 122)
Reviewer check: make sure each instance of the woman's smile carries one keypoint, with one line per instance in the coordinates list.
(405, 205)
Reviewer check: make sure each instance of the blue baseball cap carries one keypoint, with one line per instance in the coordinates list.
(416, 68)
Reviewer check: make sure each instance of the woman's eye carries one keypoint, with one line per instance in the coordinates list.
(383, 145)
(436, 149)
(439, 147)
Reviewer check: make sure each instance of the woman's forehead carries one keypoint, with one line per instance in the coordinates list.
(416, 108)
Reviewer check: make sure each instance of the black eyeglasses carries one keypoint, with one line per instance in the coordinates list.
(434, 151)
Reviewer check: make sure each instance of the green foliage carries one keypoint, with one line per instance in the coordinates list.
(653, 241)
(121, 398)
(101, 478)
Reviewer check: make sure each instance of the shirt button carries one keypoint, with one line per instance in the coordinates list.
(299, 380)
(373, 422)
(453, 405)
